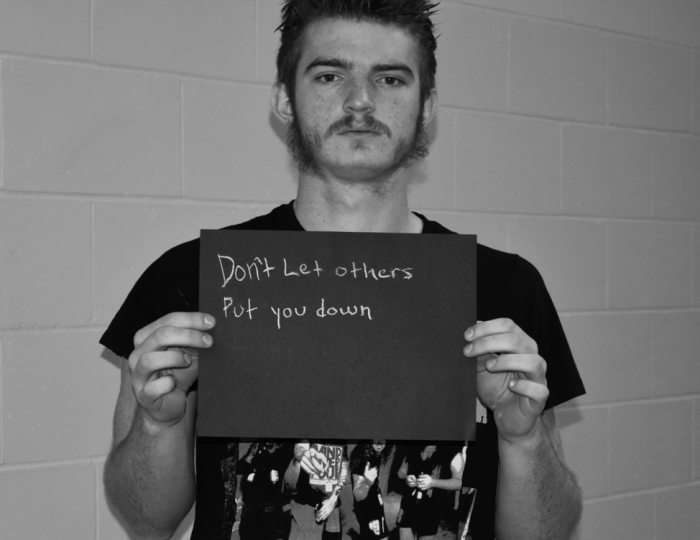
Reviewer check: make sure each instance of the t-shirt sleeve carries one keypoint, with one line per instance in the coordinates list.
(535, 313)
(165, 287)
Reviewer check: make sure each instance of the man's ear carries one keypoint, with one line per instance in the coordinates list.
(430, 107)
(280, 103)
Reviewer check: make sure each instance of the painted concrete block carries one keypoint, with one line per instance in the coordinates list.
(696, 92)
(677, 516)
(585, 442)
(48, 502)
(267, 41)
(631, 516)
(58, 396)
(696, 438)
(613, 355)
(73, 129)
(539, 8)
(46, 28)
(676, 360)
(696, 265)
(650, 445)
(234, 146)
(626, 16)
(569, 253)
(649, 84)
(557, 70)
(200, 38)
(472, 57)
(605, 172)
(431, 182)
(507, 164)
(676, 177)
(649, 265)
(676, 21)
(45, 249)
(130, 236)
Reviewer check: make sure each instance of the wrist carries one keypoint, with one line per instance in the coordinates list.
(523, 444)
(152, 427)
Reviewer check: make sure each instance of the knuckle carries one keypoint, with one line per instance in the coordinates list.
(506, 323)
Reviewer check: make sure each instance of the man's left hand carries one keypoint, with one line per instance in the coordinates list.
(510, 375)
(424, 482)
(326, 508)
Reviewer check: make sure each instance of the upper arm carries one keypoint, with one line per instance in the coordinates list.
(403, 470)
(457, 466)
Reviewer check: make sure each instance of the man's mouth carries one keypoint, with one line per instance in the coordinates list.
(358, 131)
(364, 126)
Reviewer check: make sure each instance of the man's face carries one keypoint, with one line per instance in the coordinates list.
(379, 446)
(357, 113)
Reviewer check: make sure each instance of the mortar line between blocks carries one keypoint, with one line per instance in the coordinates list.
(93, 263)
(607, 265)
(2, 426)
(182, 138)
(92, 30)
(693, 437)
(256, 35)
(508, 32)
(561, 169)
(2, 127)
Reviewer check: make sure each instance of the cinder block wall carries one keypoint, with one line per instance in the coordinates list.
(569, 132)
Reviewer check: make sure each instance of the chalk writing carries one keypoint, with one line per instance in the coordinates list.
(260, 269)
(303, 269)
(287, 313)
(241, 272)
(228, 302)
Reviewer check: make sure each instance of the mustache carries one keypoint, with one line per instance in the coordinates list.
(365, 122)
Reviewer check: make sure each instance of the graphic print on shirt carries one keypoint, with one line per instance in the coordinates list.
(327, 459)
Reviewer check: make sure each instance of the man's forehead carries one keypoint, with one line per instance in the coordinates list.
(357, 42)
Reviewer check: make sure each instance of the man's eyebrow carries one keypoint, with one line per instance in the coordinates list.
(348, 65)
(393, 67)
(330, 62)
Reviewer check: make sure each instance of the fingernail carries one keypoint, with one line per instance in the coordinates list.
(511, 383)
(470, 333)
(188, 359)
(491, 363)
(206, 338)
(209, 320)
(468, 348)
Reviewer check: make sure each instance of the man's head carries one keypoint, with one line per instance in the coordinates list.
(410, 15)
(356, 84)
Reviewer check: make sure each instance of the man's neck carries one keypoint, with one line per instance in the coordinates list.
(327, 205)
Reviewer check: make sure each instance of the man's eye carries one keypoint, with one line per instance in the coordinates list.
(392, 81)
(328, 78)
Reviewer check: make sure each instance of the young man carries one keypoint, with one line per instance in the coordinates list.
(356, 89)
(318, 473)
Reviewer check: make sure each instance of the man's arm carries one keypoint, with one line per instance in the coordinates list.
(538, 496)
(149, 473)
(453, 483)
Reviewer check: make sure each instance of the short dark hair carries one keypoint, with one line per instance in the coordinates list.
(410, 15)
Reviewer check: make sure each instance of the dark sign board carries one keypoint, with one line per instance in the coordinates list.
(328, 335)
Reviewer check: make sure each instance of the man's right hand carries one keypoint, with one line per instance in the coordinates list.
(165, 363)
(370, 473)
(411, 480)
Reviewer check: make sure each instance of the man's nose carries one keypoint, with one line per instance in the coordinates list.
(360, 98)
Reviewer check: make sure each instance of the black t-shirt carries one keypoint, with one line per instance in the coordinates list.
(507, 286)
